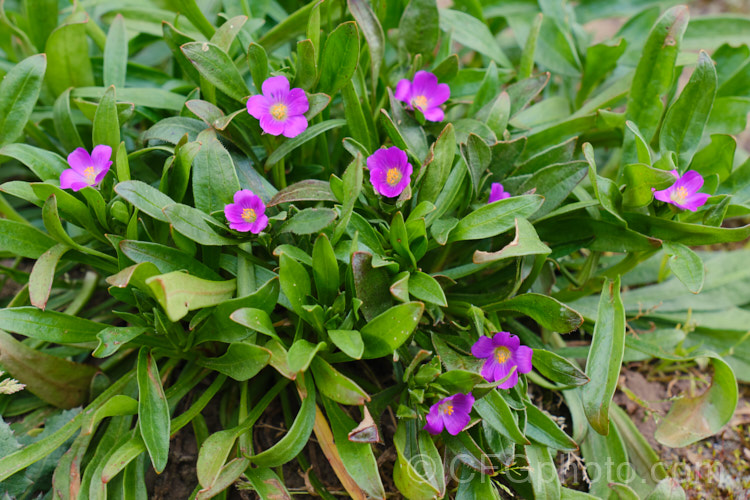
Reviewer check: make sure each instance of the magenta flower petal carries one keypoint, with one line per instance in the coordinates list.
(70, 179)
(424, 83)
(434, 114)
(403, 90)
(503, 354)
(100, 156)
(390, 171)
(86, 170)
(497, 193)
(257, 106)
(247, 213)
(294, 126)
(280, 109)
(684, 192)
(79, 160)
(441, 94)
(451, 413)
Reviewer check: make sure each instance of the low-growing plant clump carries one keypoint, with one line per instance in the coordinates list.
(394, 226)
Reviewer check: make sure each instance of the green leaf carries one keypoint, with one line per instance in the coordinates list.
(641, 179)
(407, 128)
(387, 331)
(472, 33)
(214, 176)
(526, 242)
(23, 240)
(255, 319)
(145, 198)
(686, 119)
(153, 410)
(682, 232)
(55, 380)
(241, 361)
(558, 369)
(19, 91)
(373, 32)
(43, 275)
(708, 32)
(149, 97)
(49, 326)
(302, 353)
(178, 292)
(605, 357)
(544, 484)
(686, 265)
(116, 54)
(653, 76)
(266, 483)
(495, 218)
(309, 221)
(545, 310)
(339, 59)
(306, 190)
(46, 165)
(349, 341)
(310, 133)
(355, 118)
(438, 164)
(371, 285)
(542, 429)
(68, 61)
(691, 419)
(112, 338)
(418, 471)
(555, 183)
(258, 62)
(325, 270)
(496, 413)
(166, 259)
(667, 489)
(307, 67)
(217, 68)
(419, 28)
(477, 155)
(425, 287)
(195, 224)
(335, 385)
(64, 124)
(295, 283)
(106, 124)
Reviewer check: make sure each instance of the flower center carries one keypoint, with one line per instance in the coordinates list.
(420, 101)
(90, 175)
(446, 409)
(249, 215)
(679, 194)
(278, 111)
(393, 176)
(502, 354)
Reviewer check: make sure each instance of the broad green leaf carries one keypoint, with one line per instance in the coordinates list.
(19, 91)
(667, 489)
(419, 27)
(526, 242)
(106, 124)
(149, 97)
(307, 67)
(373, 32)
(153, 410)
(46, 165)
(386, 332)
(307, 190)
(166, 259)
(495, 218)
(605, 357)
(708, 32)
(295, 283)
(473, 33)
(112, 338)
(641, 179)
(227, 32)
(255, 319)
(349, 341)
(425, 287)
(135, 275)
(310, 133)
(241, 361)
(178, 292)
(266, 483)
(355, 118)
(68, 61)
(339, 58)
(686, 119)
(496, 413)
(418, 471)
(309, 221)
(542, 429)
(116, 54)
(371, 285)
(477, 155)
(335, 385)
(49, 326)
(195, 224)
(64, 124)
(214, 176)
(605, 190)
(325, 270)
(258, 62)
(558, 369)
(600, 60)
(692, 418)
(217, 68)
(545, 310)
(43, 275)
(686, 265)
(57, 381)
(544, 484)
(685, 233)
(554, 183)
(438, 164)
(654, 75)
(145, 198)
(301, 354)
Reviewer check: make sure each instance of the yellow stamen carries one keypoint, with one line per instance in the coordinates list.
(249, 215)
(90, 175)
(679, 194)
(278, 111)
(393, 176)
(502, 354)
(420, 102)
(446, 409)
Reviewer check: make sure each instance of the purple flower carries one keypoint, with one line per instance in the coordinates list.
(684, 192)
(390, 171)
(86, 170)
(280, 110)
(425, 94)
(497, 193)
(247, 213)
(451, 413)
(504, 352)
